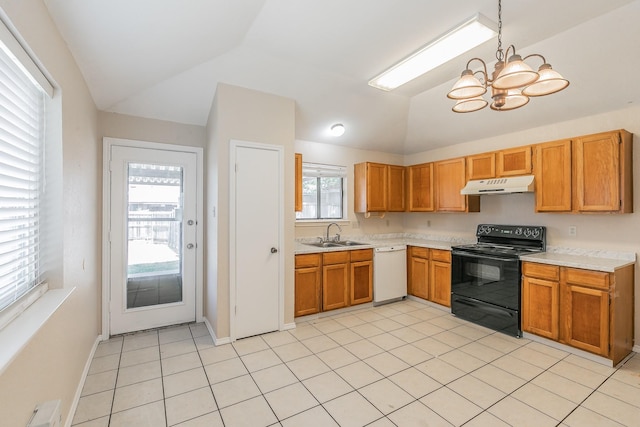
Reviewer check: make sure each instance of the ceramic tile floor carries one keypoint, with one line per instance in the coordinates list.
(402, 364)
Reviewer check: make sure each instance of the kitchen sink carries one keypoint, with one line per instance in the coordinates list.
(338, 244)
(349, 243)
(325, 245)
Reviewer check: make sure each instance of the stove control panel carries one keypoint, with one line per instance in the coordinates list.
(528, 232)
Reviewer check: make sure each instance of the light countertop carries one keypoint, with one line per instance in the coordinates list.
(598, 260)
(443, 243)
(587, 261)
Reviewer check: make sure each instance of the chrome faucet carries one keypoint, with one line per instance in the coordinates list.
(337, 235)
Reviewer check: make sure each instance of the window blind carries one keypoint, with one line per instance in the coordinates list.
(22, 104)
(317, 169)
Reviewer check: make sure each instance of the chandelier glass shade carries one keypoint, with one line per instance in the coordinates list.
(512, 82)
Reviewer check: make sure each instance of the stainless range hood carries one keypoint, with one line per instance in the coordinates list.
(514, 184)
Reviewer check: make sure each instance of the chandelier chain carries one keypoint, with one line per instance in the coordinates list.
(499, 53)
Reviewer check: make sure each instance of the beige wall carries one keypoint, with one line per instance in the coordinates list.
(50, 366)
(142, 129)
(246, 115)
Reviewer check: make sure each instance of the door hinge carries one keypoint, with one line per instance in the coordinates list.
(236, 167)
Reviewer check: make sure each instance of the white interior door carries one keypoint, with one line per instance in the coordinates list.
(153, 224)
(256, 260)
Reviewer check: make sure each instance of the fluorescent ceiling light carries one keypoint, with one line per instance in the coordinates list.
(455, 42)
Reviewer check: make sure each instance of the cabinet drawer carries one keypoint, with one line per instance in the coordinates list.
(596, 279)
(308, 260)
(361, 255)
(541, 271)
(335, 257)
(440, 255)
(419, 252)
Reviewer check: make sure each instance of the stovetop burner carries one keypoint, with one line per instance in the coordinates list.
(506, 240)
(487, 248)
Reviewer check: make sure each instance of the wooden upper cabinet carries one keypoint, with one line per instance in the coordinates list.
(379, 187)
(602, 173)
(298, 177)
(420, 183)
(552, 170)
(371, 182)
(515, 161)
(396, 186)
(481, 166)
(450, 178)
(591, 173)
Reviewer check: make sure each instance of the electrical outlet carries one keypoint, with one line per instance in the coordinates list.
(428, 223)
(573, 230)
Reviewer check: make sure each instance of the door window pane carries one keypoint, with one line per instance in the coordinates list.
(154, 230)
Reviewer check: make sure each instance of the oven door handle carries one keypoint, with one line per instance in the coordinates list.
(486, 307)
(470, 255)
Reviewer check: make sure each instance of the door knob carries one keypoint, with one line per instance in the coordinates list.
(190, 246)
(274, 250)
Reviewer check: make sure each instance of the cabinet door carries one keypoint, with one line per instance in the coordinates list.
(481, 166)
(377, 182)
(552, 170)
(421, 188)
(450, 178)
(540, 307)
(516, 161)
(396, 187)
(298, 185)
(335, 286)
(361, 282)
(307, 291)
(418, 283)
(584, 317)
(596, 163)
(440, 283)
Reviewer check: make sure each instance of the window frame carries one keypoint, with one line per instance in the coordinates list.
(19, 60)
(319, 171)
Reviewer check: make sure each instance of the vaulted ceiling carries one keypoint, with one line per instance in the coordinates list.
(163, 59)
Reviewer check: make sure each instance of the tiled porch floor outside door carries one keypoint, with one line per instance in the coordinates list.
(403, 364)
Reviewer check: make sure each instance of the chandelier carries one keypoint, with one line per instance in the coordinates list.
(512, 81)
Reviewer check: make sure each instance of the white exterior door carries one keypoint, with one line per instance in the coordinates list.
(152, 229)
(256, 238)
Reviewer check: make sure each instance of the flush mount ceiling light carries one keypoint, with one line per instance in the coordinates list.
(512, 81)
(337, 129)
(455, 42)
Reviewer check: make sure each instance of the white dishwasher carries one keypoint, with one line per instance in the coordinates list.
(389, 273)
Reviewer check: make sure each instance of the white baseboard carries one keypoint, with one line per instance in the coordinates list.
(288, 326)
(216, 341)
(85, 372)
(636, 348)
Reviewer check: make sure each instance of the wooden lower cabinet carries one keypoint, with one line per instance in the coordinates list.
(585, 323)
(335, 286)
(440, 277)
(418, 272)
(332, 280)
(361, 268)
(589, 310)
(429, 274)
(308, 284)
